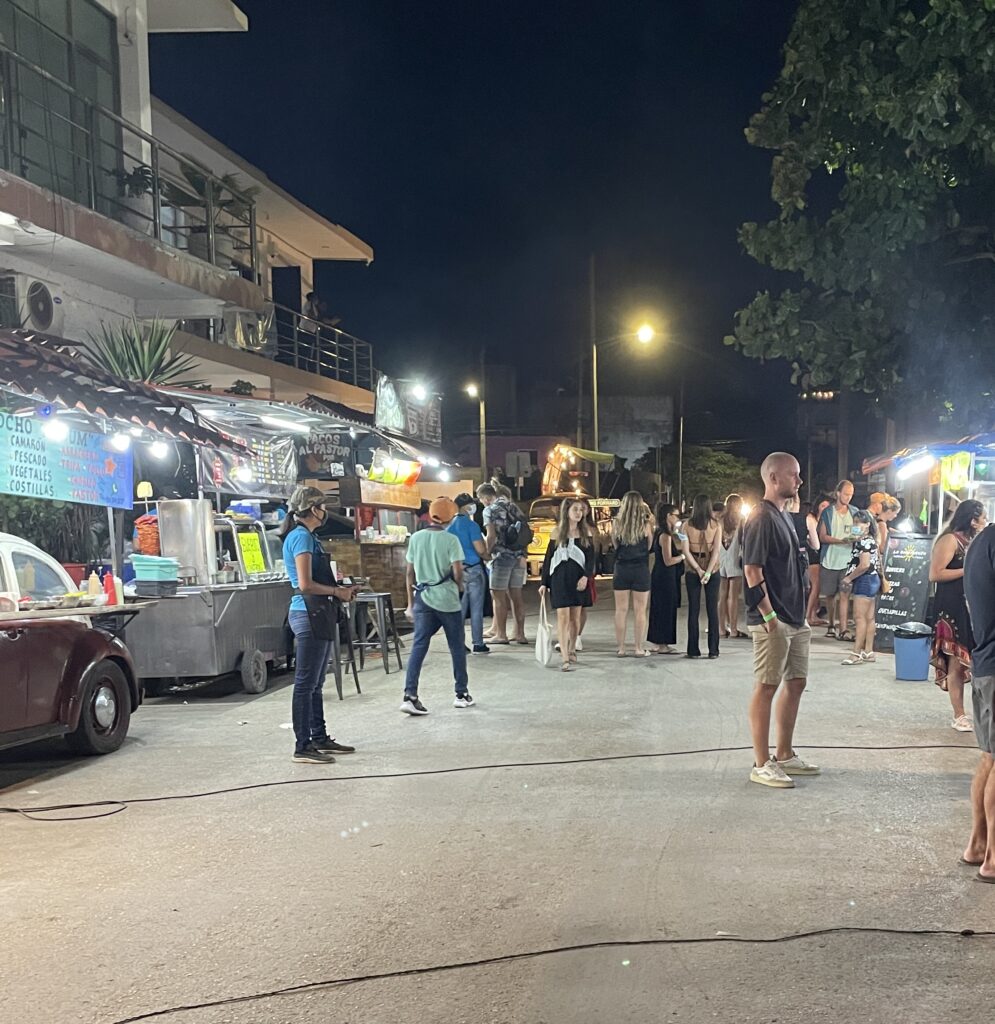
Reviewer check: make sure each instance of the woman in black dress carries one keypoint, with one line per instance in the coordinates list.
(664, 585)
(953, 640)
(566, 571)
(632, 535)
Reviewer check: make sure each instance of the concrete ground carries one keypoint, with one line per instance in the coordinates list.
(417, 852)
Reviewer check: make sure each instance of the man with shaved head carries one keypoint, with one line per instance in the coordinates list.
(776, 596)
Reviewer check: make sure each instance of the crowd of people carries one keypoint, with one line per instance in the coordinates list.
(790, 565)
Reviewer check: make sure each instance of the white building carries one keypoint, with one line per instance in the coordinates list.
(112, 205)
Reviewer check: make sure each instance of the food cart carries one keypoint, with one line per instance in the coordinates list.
(378, 551)
(230, 607)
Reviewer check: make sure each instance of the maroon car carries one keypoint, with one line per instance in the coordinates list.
(61, 677)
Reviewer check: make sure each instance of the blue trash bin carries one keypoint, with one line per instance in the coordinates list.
(912, 643)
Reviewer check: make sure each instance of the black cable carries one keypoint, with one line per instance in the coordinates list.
(34, 813)
(311, 986)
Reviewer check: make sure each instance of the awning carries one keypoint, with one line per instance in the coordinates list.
(347, 415)
(51, 371)
(978, 444)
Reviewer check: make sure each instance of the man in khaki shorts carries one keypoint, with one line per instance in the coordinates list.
(776, 594)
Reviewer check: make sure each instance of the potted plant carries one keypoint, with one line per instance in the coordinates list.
(140, 352)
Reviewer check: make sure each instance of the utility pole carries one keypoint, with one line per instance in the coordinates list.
(680, 451)
(594, 371)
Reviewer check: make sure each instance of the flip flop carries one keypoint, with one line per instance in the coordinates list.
(979, 877)
(621, 654)
(642, 654)
(740, 635)
(523, 643)
(567, 667)
(499, 643)
(972, 863)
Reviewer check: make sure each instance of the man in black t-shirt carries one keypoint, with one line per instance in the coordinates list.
(776, 596)
(979, 589)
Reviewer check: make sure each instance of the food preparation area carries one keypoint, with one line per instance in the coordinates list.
(394, 860)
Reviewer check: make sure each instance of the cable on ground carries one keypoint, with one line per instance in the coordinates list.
(312, 986)
(117, 806)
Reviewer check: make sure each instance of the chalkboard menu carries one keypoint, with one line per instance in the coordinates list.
(907, 567)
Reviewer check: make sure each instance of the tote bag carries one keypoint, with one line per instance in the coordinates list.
(544, 636)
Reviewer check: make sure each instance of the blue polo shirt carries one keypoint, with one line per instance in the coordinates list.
(297, 542)
(467, 531)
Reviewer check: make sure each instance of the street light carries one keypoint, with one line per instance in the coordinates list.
(419, 392)
(475, 392)
(645, 335)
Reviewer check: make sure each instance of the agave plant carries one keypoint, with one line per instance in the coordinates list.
(140, 352)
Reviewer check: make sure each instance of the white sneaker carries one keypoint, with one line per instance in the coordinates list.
(796, 766)
(771, 774)
(580, 645)
(962, 724)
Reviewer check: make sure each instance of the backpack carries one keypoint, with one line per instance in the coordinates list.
(518, 534)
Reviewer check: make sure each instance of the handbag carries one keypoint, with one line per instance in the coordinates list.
(544, 636)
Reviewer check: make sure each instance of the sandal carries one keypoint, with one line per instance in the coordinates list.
(740, 635)
(846, 637)
(852, 659)
(642, 654)
(831, 633)
(566, 667)
(620, 654)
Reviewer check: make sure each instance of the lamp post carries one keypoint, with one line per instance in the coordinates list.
(474, 392)
(644, 335)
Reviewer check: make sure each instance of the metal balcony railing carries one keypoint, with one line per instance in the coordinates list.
(293, 339)
(53, 136)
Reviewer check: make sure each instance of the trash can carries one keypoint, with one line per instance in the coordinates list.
(912, 642)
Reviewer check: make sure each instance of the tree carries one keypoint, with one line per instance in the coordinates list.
(883, 127)
(707, 471)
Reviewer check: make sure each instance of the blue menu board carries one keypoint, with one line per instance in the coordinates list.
(84, 468)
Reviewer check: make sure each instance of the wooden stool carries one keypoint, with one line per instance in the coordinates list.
(385, 625)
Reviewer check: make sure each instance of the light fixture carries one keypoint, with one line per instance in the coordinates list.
(432, 462)
(56, 430)
(915, 466)
(472, 390)
(158, 449)
(352, 433)
(121, 442)
(295, 428)
(244, 473)
(419, 392)
(444, 476)
(645, 334)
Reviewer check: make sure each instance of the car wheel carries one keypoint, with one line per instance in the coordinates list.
(254, 672)
(105, 711)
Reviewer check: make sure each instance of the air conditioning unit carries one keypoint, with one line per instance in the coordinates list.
(32, 304)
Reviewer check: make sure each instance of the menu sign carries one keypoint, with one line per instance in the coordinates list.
(325, 455)
(906, 560)
(84, 468)
(402, 413)
(269, 470)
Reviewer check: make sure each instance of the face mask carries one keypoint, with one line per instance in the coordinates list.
(470, 510)
(321, 514)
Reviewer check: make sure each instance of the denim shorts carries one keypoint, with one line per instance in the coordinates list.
(868, 584)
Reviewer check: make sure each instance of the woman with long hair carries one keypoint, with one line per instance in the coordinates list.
(863, 579)
(311, 576)
(566, 572)
(632, 535)
(702, 545)
(812, 544)
(663, 581)
(953, 639)
(731, 567)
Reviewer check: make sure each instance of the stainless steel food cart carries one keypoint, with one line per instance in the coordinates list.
(232, 614)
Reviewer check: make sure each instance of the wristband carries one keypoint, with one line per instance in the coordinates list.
(769, 618)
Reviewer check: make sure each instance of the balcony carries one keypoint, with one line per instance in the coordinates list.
(57, 139)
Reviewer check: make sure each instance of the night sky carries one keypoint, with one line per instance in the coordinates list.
(485, 150)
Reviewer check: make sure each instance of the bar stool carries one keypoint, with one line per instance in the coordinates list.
(385, 626)
(350, 647)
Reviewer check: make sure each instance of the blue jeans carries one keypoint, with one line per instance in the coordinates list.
(427, 623)
(311, 663)
(474, 591)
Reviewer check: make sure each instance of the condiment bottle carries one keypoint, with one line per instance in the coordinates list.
(109, 588)
(93, 584)
(118, 590)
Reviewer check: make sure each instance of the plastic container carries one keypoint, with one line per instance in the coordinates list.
(912, 643)
(153, 568)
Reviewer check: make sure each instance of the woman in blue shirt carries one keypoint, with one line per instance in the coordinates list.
(310, 574)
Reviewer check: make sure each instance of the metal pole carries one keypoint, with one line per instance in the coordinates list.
(156, 195)
(597, 437)
(680, 452)
(112, 535)
(483, 440)
(581, 357)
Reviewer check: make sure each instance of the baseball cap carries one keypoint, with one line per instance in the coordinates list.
(442, 510)
(304, 498)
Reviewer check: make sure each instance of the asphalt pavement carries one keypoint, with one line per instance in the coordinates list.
(580, 847)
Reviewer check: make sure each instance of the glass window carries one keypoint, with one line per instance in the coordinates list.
(54, 13)
(35, 578)
(93, 29)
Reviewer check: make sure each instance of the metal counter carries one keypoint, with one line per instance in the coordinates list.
(210, 631)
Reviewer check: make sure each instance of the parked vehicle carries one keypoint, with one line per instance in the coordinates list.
(544, 513)
(61, 676)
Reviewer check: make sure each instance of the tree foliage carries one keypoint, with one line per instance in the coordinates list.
(882, 123)
(707, 471)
